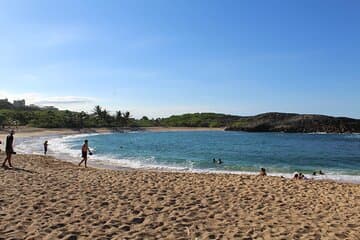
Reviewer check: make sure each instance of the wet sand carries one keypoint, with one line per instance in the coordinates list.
(44, 198)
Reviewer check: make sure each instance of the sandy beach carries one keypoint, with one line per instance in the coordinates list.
(33, 132)
(45, 198)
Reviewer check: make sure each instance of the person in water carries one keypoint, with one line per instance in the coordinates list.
(214, 160)
(9, 148)
(45, 147)
(220, 161)
(84, 151)
(262, 172)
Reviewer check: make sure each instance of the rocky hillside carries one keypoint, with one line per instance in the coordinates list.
(290, 122)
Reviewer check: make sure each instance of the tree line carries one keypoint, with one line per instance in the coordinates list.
(101, 117)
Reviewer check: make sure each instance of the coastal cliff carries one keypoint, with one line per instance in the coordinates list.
(291, 122)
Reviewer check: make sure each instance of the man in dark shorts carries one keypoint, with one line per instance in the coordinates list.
(9, 148)
(84, 150)
(45, 147)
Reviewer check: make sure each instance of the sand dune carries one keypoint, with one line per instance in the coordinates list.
(44, 198)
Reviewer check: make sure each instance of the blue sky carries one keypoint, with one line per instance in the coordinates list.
(158, 58)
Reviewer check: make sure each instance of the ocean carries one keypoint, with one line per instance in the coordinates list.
(281, 154)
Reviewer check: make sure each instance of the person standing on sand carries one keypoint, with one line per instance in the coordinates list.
(45, 147)
(84, 150)
(9, 149)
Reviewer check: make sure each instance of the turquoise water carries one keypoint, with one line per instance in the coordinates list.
(279, 153)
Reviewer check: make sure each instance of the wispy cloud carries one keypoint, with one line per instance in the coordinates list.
(62, 102)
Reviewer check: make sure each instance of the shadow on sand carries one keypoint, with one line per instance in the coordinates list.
(17, 169)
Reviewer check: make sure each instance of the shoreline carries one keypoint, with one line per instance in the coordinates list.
(102, 165)
(108, 165)
(105, 164)
(22, 132)
(47, 198)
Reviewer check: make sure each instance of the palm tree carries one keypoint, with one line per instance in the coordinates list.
(82, 117)
(118, 118)
(104, 114)
(126, 117)
(97, 111)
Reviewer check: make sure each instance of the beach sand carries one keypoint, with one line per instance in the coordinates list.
(45, 198)
(22, 132)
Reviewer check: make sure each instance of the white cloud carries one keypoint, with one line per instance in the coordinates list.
(76, 103)
(64, 100)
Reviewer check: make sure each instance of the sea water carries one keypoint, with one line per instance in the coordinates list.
(281, 154)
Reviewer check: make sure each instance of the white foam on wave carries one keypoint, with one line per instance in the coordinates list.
(62, 147)
(319, 133)
(327, 177)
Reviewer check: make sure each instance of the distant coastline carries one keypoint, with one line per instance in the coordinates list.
(295, 123)
(100, 118)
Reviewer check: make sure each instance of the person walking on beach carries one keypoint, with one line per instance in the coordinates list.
(9, 149)
(45, 147)
(84, 151)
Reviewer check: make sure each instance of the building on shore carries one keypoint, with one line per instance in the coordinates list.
(4, 101)
(19, 103)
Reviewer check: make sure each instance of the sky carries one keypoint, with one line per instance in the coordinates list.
(164, 57)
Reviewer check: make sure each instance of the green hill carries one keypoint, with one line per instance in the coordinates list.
(267, 122)
(291, 122)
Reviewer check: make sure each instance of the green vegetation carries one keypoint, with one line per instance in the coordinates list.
(64, 119)
(100, 117)
(239, 123)
(198, 120)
